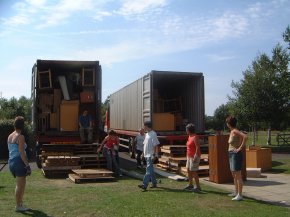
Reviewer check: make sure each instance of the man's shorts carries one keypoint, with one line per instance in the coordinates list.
(17, 167)
(236, 161)
(192, 166)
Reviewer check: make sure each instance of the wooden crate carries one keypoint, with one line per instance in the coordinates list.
(219, 168)
(259, 158)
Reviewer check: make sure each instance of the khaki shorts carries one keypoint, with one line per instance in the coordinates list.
(192, 166)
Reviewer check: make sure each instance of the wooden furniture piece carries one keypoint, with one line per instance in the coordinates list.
(218, 156)
(44, 79)
(69, 115)
(259, 158)
(88, 77)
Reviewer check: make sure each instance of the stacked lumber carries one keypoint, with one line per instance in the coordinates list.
(173, 159)
(61, 159)
(90, 175)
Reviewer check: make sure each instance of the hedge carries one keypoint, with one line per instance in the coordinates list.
(6, 127)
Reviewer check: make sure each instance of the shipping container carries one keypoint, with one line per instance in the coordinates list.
(60, 91)
(169, 99)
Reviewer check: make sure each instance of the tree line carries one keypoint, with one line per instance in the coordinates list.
(261, 99)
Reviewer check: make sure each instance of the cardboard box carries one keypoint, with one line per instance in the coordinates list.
(163, 122)
(87, 97)
(259, 158)
(69, 115)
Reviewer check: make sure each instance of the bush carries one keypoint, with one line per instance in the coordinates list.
(6, 127)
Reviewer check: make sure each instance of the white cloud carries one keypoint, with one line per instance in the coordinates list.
(220, 57)
(101, 15)
(140, 6)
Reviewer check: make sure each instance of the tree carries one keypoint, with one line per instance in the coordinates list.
(220, 115)
(286, 36)
(13, 107)
(263, 94)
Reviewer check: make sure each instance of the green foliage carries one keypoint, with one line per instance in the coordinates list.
(263, 94)
(6, 127)
(286, 36)
(13, 107)
(105, 107)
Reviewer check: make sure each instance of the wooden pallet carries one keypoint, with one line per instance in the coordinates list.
(91, 175)
(203, 170)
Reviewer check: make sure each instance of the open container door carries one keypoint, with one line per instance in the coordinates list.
(146, 90)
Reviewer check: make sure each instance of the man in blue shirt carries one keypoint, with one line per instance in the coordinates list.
(86, 127)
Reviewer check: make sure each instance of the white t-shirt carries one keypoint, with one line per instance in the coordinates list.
(150, 142)
(139, 139)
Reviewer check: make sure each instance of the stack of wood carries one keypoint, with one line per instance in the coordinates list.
(61, 159)
(89, 175)
(173, 159)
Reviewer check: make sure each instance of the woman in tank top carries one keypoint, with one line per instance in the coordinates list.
(237, 142)
(18, 162)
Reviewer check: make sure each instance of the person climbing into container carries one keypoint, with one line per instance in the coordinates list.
(150, 152)
(86, 127)
(110, 146)
(237, 141)
(193, 155)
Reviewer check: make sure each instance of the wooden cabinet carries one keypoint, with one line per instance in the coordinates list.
(218, 156)
(69, 115)
(259, 158)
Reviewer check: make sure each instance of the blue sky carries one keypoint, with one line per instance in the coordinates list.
(132, 37)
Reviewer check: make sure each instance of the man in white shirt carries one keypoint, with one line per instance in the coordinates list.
(150, 151)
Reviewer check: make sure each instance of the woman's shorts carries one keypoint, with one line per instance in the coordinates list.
(17, 167)
(236, 160)
(192, 166)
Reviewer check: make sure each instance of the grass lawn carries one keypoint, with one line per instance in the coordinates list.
(281, 165)
(59, 197)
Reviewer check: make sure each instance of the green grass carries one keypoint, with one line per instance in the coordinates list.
(262, 138)
(51, 197)
(281, 166)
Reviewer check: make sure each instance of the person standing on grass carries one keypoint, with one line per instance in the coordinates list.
(193, 155)
(139, 140)
(18, 162)
(237, 142)
(150, 153)
(110, 146)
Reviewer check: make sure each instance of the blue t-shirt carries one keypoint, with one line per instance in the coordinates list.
(85, 121)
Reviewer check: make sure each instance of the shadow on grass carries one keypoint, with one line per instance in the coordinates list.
(35, 213)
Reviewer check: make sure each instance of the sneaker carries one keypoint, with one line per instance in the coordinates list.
(196, 190)
(189, 187)
(237, 198)
(232, 194)
(142, 187)
(22, 209)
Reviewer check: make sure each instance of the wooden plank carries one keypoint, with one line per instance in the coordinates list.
(50, 168)
(92, 171)
(76, 179)
(168, 147)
